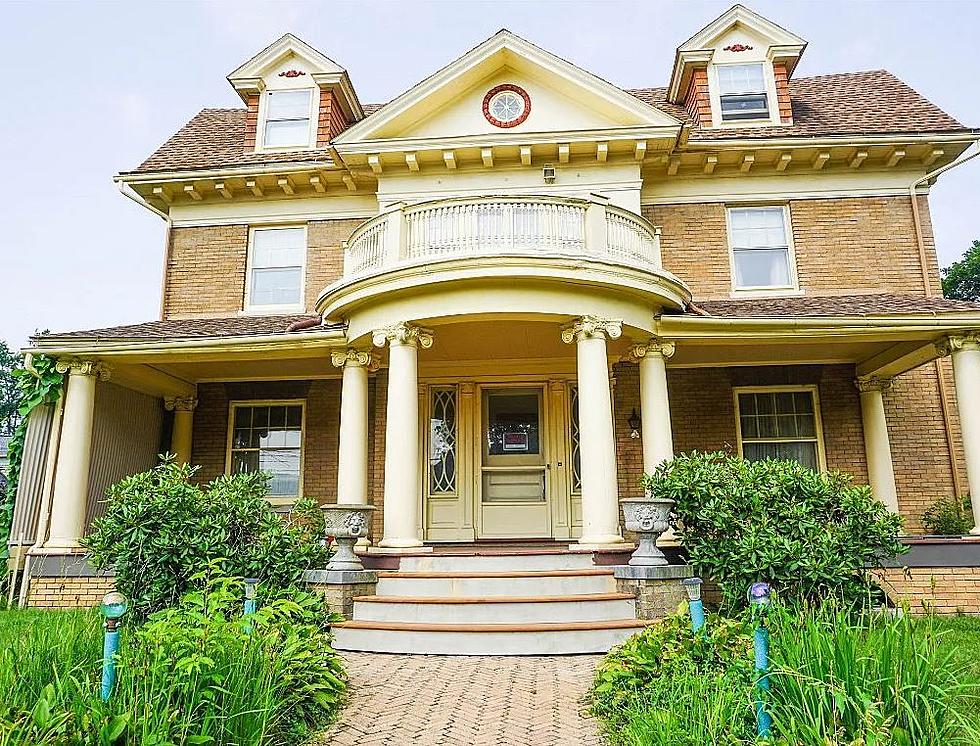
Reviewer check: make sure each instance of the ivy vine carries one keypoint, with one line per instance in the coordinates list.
(37, 385)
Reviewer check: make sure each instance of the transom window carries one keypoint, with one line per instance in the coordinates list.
(287, 119)
(276, 268)
(268, 436)
(742, 92)
(760, 248)
(779, 424)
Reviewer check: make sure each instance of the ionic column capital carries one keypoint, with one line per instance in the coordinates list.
(354, 359)
(865, 384)
(403, 334)
(78, 367)
(591, 327)
(180, 403)
(955, 342)
(655, 346)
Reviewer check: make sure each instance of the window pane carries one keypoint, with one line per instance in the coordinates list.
(741, 79)
(442, 441)
(289, 104)
(273, 287)
(278, 247)
(762, 268)
(287, 132)
(751, 106)
(758, 227)
(805, 452)
(512, 424)
(244, 462)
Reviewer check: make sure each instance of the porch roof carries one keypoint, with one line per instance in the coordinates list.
(876, 304)
(232, 326)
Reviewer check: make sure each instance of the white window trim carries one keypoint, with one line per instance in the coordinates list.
(302, 439)
(766, 290)
(810, 388)
(299, 307)
(714, 96)
(263, 113)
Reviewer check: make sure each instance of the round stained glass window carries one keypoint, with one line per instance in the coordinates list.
(506, 105)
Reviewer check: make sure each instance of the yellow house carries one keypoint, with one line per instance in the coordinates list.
(488, 305)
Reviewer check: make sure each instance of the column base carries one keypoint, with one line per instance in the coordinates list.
(382, 549)
(62, 546)
(590, 545)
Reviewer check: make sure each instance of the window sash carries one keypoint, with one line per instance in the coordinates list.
(760, 247)
(287, 118)
(276, 272)
(269, 437)
(735, 80)
(779, 424)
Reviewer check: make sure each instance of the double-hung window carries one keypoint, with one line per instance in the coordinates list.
(287, 119)
(276, 269)
(742, 92)
(779, 423)
(761, 257)
(268, 436)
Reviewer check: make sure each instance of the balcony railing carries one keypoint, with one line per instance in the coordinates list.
(499, 226)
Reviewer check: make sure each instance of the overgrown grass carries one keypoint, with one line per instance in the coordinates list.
(195, 674)
(837, 679)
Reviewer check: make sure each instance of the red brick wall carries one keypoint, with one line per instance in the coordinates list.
(782, 93)
(331, 121)
(696, 100)
(251, 121)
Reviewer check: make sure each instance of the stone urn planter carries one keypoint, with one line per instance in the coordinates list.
(346, 524)
(647, 516)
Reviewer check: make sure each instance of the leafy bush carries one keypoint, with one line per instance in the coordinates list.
(160, 529)
(810, 535)
(949, 516)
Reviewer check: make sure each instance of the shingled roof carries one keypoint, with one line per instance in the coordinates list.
(232, 326)
(861, 103)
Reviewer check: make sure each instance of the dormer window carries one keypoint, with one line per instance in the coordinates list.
(742, 92)
(287, 119)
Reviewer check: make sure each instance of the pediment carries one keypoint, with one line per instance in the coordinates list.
(563, 97)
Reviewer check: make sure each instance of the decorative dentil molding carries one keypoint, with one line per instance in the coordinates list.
(655, 346)
(353, 357)
(955, 342)
(403, 334)
(180, 403)
(589, 327)
(79, 367)
(866, 384)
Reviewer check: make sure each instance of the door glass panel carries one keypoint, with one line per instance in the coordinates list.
(513, 426)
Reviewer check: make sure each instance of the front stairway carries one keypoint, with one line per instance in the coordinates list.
(492, 603)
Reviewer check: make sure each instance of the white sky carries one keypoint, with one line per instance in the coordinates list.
(96, 87)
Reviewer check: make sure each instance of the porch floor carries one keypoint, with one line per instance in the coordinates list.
(442, 700)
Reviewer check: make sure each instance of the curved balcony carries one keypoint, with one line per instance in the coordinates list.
(502, 226)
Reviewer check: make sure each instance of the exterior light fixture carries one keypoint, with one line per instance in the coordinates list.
(114, 607)
(696, 607)
(250, 586)
(759, 594)
(548, 173)
(693, 588)
(634, 423)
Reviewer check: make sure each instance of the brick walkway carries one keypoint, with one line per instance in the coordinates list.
(469, 701)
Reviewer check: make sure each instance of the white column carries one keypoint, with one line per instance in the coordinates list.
(600, 491)
(965, 350)
(877, 449)
(70, 497)
(352, 466)
(657, 439)
(182, 437)
(402, 491)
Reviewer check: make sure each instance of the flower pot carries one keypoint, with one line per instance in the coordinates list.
(648, 517)
(347, 524)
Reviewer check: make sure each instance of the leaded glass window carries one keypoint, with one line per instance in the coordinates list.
(575, 441)
(442, 441)
(779, 425)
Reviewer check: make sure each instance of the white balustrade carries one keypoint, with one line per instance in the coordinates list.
(495, 226)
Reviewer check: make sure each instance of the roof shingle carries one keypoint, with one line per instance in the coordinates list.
(234, 326)
(878, 304)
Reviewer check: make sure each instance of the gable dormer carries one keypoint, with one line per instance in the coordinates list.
(735, 72)
(297, 98)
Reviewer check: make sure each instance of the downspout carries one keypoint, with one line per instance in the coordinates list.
(127, 191)
(927, 288)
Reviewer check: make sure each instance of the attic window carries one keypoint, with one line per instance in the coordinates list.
(742, 92)
(287, 119)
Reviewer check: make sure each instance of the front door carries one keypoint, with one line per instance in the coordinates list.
(513, 499)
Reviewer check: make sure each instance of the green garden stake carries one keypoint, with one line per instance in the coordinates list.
(114, 607)
(759, 599)
(695, 605)
(250, 602)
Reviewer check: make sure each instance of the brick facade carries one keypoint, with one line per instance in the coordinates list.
(68, 592)
(783, 100)
(842, 246)
(331, 120)
(696, 100)
(939, 590)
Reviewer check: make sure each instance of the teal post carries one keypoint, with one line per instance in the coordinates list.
(114, 607)
(250, 602)
(695, 604)
(759, 599)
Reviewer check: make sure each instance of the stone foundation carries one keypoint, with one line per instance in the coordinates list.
(339, 588)
(658, 590)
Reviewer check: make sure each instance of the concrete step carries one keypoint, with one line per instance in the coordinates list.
(495, 609)
(491, 561)
(563, 638)
(478, 584)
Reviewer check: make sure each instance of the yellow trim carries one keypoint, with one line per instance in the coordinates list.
(302, 439)
(810, 388)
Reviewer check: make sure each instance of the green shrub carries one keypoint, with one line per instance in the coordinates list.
(160, 529)
(810, 535)
(949, 516)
